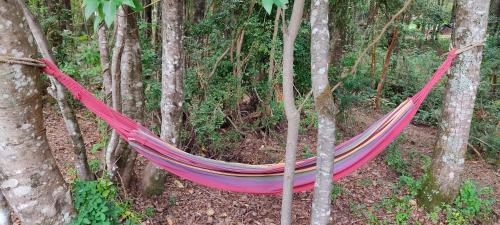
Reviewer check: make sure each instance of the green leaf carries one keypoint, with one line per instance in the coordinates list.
(109, 13)
(280, 3)
(130, 3)
(268, 5)
(90, 7)
(138, 5)
(97, 22)
(106, 193)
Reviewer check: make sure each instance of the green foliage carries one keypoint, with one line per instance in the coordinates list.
(306, 152)
(80, 58)
(395, 160)
(411, 72)
(337, 190)
(149, 211)
(211, 91)
(268, 4)
(471, 204)
(107, 9)
(96, 202)
(94, 165)
(277, 116)
(151, 68)
(485, 124)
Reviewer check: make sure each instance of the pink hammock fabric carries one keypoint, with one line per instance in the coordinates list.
(257, 179)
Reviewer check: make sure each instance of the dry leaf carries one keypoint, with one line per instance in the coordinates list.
(210, 212)
(178, 184)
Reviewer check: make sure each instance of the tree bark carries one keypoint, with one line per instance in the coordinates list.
(199, 10)
(110, 152)
(66, 23)
(154, 21)
(172, 85)
(102, 42)
(325, 108)
(29, 177)
(272, 64)
(291, 112)
(59, 94)
(385, 68)
(127, 93)
(4, 211)
(373, 66)
(445, 176)
(131, 90)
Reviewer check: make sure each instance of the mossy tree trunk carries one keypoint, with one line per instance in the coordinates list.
(445, 176)
(325, 107)
(59, 93)
(29, 177)
(127, 92)
(154, 178)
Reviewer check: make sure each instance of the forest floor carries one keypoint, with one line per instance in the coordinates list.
(359, 197)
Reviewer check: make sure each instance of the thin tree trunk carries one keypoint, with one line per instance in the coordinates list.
(272, 63)
(199, 10)
(148, 12)
(66, 9)
(494, 82)
(102, 42)
(447, 167)
(131, 90)
(385, 68)
(4, 211)
(292, 114)
(373, 66)
(172, 87)
(110, 153)
(58, 92)
(154, 22)
(127, 92)
(30, 181)
(325, 107)
(238, 70)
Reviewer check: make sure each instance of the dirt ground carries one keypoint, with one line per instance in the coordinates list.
(186, 203)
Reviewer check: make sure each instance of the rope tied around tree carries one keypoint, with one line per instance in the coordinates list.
(22, 61)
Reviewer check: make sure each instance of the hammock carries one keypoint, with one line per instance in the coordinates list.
(257, 179)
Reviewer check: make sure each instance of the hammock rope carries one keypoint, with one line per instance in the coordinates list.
(237, 177)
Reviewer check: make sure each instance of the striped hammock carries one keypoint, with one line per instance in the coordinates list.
(257, 179)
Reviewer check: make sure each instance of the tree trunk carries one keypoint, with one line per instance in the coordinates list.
(4, 211)
(131, 90)
(58, 92)
(172, 84)
(373, 66)
(102, 42)
(325, 107)
(154, 21)
(385, 68)
(199, 10)
(30, 179)
(497, 13)
(148, 11)
(272, 64)
(66, 23)
(120, 29)
(291, 112)
(445, 176)
(127, 92)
